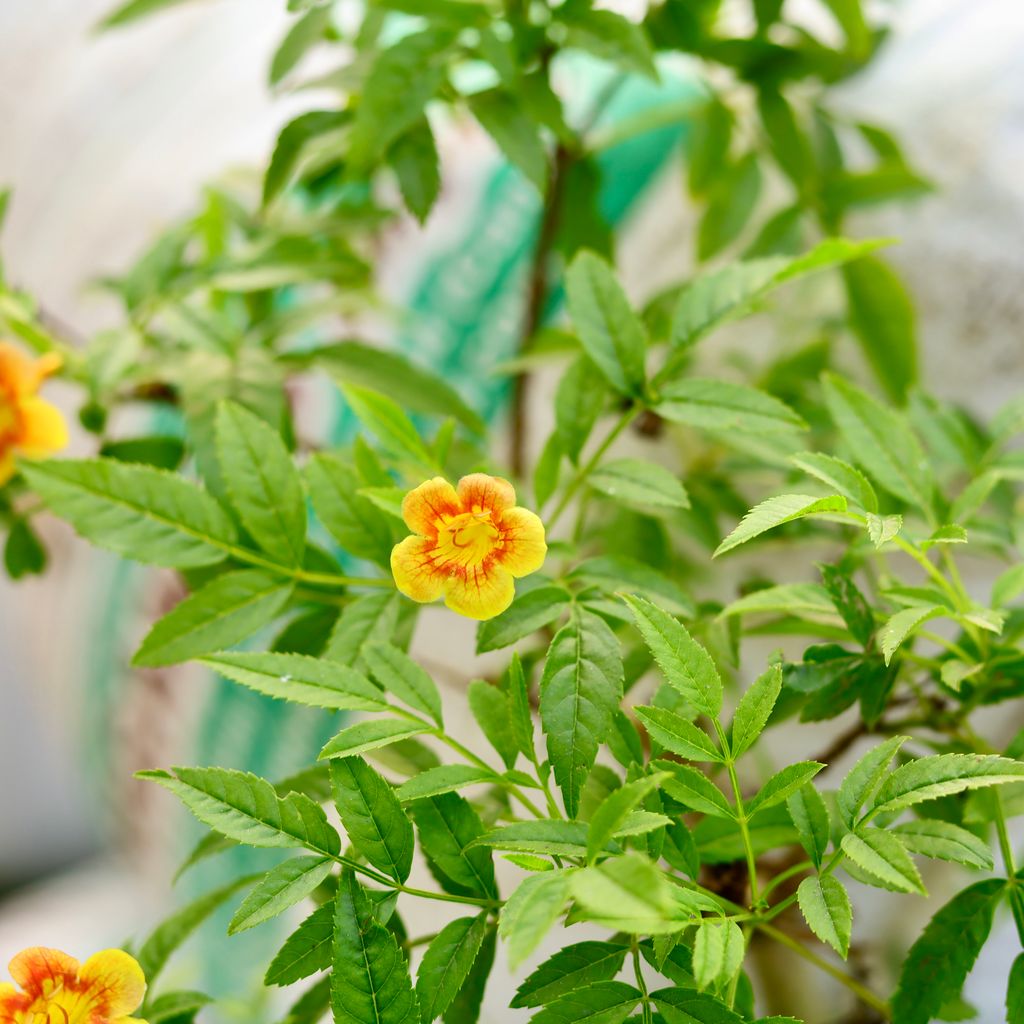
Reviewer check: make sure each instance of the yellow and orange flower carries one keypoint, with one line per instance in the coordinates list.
(28, 424)
(469, 544)
(56, 989)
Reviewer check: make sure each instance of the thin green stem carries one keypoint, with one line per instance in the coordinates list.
(741, 814)
(641, 983)
(783, 876)
(862, 992)
(303, 575)
(949, 645)
(1004, 836)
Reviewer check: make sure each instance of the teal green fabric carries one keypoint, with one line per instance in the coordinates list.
(465, 312)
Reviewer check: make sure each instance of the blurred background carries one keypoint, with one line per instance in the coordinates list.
(106, 138)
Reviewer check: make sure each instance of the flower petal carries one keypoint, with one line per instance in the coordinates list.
(523, 548)
(424, 506)
(20, 374)
(6, 465)
(114, 982)
(479, 492)
(43, 429)
(481, 592)
(12, 1002)
(39, 970)
(414, 564)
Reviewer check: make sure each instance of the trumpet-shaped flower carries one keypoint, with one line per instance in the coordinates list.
(54, 988)
(468, 545)
(28, 425)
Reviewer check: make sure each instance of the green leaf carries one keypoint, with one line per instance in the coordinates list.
(226, 611)
(490, 708)
(800, 599)
(839, 476)
(940, 960)
(445, 778)
(303, 680)
(133, 10)
(784, 782)
(774, 512)
(578, 403)
(790, 146)
(611, 333)
(580, 690)
(882, 529)
(883, 857)
(372, 816)
(928, 778)
(172, 932)
(520, 712)
(619, 574)
(944, 841)
(447, 963)
(413, 157)
(754, 710)
(613, 811)
(627, 893)
(722, 407)
(529, 612)
(575, 967)
(142, 513)
(503, 118)
(882, 318)
(860, 783)
(1008, 586)
(825, 905)
(246, 808)
(448, 829)
(850, 603)
(881, 441)
(282, 887)
(694, 790)
(610, 36)
(717, 952)
(263, 484)
(370, 619)
(544, 836)
(730, 202)
(530, 911)
(678, 735)
(604, 1002)
(412, 386)
(303, 34)
(685, 1006)
(465, 1008)
(398, 674)
(951, 533)
(370, 978)
(902, 624)
(24, 554)
(687, 666)
(291, 142)
(175, 1007)
(388, 422)
(1015, 992)
(809, 814)
(634, 482)
(306, 951)
(370, 735)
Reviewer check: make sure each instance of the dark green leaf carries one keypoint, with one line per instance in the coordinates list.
(576, 967)
(447, 963)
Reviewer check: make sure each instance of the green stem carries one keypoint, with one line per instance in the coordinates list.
(796, 869)
(864, 994)
(641, 983)
(390, 883)
(741, 814)
(303, 575)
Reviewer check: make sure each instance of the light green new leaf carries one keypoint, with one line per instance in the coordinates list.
(784, 782)
(881, 441)
(611, 333)
(226, 611)
(613, 811)
(603, 1002)
(372, 816)
(306, 951)
(246, 808)
(448, 829)
(928, 778)
(303, 34)
(630, 891)
(882, 529)
(1008, 586)
(447, 962)
(809, 814)
(951, 533)
(300, 679)
(800, 599)
(370, 981)
(528, 612)
(530, 911)
(944, 841)
(754, 710)
(902, 624)
(687, 666)
(545, 836)
(635, 482)
(282, 887)
(570, 969)
(262, 482)
(397, 673)
(580, 690)
(445, 778)
(717, 952)
(774, 512)
(860, 783)
(142, 513)
(721, 406)
(124, 13)
(678, 735)
(825, 905)
(883, 857)
(388, 422)
(840, 476)
(370, 735)
(940, 960)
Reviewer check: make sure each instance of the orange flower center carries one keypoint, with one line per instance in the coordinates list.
(10, 421)
(468, 539)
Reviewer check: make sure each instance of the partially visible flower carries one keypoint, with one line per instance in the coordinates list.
(469, 545)
(56, 989)
(28, 425)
